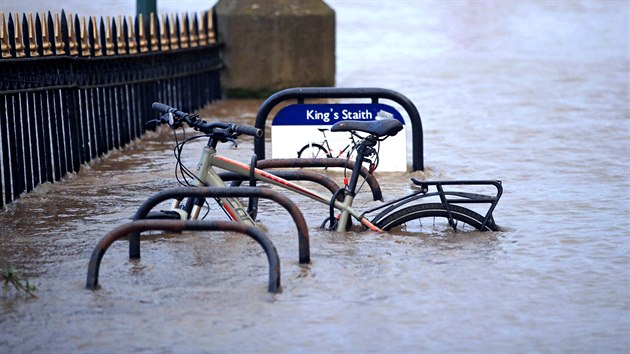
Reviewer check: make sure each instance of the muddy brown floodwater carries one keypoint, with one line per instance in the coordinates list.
(532, 93)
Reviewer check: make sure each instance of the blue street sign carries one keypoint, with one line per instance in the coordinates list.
(329, 114)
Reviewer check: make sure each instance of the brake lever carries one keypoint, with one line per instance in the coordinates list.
(152, 123)
(166, 118)
(233, 141)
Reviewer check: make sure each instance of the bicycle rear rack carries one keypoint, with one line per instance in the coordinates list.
(220, 192)
(461, 198)
(179, 226)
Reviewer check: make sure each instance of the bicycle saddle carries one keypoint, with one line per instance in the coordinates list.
(378, 128)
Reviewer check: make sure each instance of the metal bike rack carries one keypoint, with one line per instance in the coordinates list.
(224, 192)
(179, 226)
(302, 93)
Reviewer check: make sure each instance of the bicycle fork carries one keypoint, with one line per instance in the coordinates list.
(206, 176)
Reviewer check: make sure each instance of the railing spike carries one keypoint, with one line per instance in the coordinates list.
(203, 30)
(183, 31)
(174, 37)
(29, 27)
(24, 30)
(153, 33)
(109, 40)
(194, 32)
(62, 35)
(19, 47)
(11, 35)
(131, 37)
(5, 48)
(142, 39)
(42, 31)
(74, 27)
(50, 30)
(39, 35)
(93, 39)
(102, 35)
(165, 31)
(85, 43)
(121, 33)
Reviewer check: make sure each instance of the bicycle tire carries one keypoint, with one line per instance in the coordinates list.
(434, 210)
(313, 151)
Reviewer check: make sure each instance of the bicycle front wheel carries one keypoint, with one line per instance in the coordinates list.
(313, 151)
(433, 217)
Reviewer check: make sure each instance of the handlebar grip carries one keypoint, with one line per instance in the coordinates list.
(163, 108)
(247, 130)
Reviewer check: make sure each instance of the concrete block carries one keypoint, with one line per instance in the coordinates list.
(271, 45)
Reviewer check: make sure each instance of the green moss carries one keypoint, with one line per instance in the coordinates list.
(10, 278)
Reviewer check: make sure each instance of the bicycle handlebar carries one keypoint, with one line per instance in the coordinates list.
(204, 126)
(247, 130)
(164, 108)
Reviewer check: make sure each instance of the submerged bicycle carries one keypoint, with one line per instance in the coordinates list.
(417, 208)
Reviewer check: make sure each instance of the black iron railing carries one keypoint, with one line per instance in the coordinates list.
(72, 90)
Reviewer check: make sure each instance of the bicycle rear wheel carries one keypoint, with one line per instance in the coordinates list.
(433, 216)
(313, 151)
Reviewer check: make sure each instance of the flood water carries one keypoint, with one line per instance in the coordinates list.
(532, 93)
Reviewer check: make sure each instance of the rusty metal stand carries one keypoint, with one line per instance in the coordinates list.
(178, 226)
(221, 192)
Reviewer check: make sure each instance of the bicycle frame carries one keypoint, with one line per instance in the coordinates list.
(207, 176)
